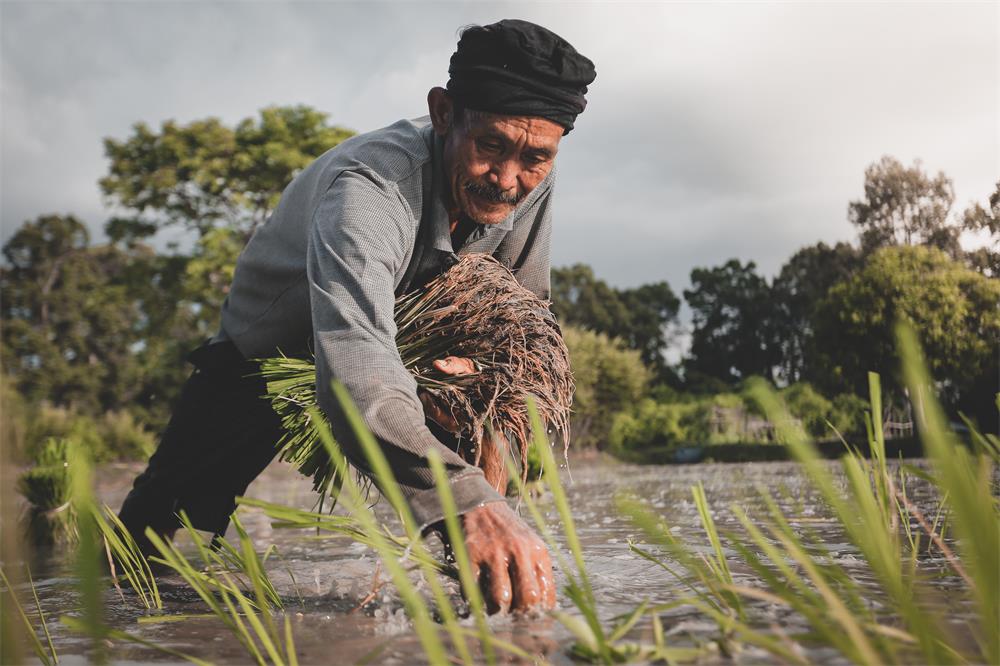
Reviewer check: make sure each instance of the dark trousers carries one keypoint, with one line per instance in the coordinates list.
(222, 434)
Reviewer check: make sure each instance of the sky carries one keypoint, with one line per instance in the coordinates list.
(712, 131)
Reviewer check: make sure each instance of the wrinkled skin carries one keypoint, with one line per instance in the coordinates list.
(508, 558)
(489, 153)
(510, 561)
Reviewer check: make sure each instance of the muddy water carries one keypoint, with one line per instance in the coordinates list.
(324, 581)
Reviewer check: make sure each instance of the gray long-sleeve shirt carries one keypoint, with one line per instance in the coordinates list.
(362, 224)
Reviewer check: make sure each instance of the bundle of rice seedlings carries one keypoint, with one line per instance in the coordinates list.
(476, 310)
(49, 517)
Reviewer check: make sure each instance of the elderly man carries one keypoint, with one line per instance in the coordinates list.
(373, 218)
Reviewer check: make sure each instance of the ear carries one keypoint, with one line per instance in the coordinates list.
(441, 110)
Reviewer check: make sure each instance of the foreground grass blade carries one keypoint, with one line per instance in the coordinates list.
(122, 551)
(29, 629)
(966, 480)
(87, 563)
(74, 624)
(416, 608)
(457, 540)
(392, 492)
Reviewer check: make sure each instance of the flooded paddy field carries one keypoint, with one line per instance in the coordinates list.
(343, 611)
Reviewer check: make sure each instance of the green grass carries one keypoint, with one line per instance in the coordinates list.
(794, 569)
(781, 563)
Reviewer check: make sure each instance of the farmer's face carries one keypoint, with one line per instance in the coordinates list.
(491, 161)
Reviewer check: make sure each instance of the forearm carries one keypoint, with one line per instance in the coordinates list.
(355, 248)
(389, 413)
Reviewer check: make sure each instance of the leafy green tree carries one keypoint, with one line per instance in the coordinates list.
(609, 378)
(640, 317)
(69, 321)
(905, 206)
(732, 319)
(204, 174)
(803, 281)
(977, 219)
(952, 308)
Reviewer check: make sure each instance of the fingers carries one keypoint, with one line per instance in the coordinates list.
(512, 564)
(527, 591)
(455, 365)
(494, 581)
(437, 414)
(546, 579)
(532, 578)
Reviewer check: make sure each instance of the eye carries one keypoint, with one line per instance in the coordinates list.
(488, 145)
(536, 159)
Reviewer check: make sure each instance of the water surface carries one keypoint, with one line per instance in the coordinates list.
(325, 581)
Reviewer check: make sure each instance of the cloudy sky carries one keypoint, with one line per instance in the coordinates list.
(713, 130)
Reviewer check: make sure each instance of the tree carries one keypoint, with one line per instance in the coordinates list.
(732, 319)
(905, 206)
(204, 174)
(977, 219)
(69, 321)
(803, 281)
(952, 308)
(639, 317)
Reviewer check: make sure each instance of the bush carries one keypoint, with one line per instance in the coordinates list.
(609, 378)
(718, 419)
(650, 424)
(848, 413)
(812, 409)
(114, 436)
(13, 421)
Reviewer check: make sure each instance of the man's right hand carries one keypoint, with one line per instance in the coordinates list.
(509, 560)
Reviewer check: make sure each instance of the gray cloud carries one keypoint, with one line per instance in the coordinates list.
(713, 131)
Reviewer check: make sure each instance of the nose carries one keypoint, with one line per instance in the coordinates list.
(505, 175)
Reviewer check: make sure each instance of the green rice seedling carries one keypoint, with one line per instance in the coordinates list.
(124, 554)
(50, 517)
(470, 585)
(328, 525)
(353, 497)
(391, 491)
(47, 654)
(87, 560)
(416, 550)
(710, 591)
(795, 570)
(594, 642)
(967, 480)
(869, 519)
(247, 617)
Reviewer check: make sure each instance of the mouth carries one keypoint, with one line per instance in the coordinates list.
(491, 194)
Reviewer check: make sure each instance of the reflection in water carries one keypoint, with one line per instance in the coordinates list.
(324, 580)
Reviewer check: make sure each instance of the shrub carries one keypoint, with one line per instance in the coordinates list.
(609, 379)
(13, 421)
(651, 423)
(812, 409)
(848, 414)
(114, 436)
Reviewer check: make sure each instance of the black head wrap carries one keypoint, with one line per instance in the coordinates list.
(517, 68)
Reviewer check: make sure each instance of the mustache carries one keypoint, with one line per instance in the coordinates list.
(492, 193)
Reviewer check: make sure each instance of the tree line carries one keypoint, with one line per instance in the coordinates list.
(97, 328)
(827, 318)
